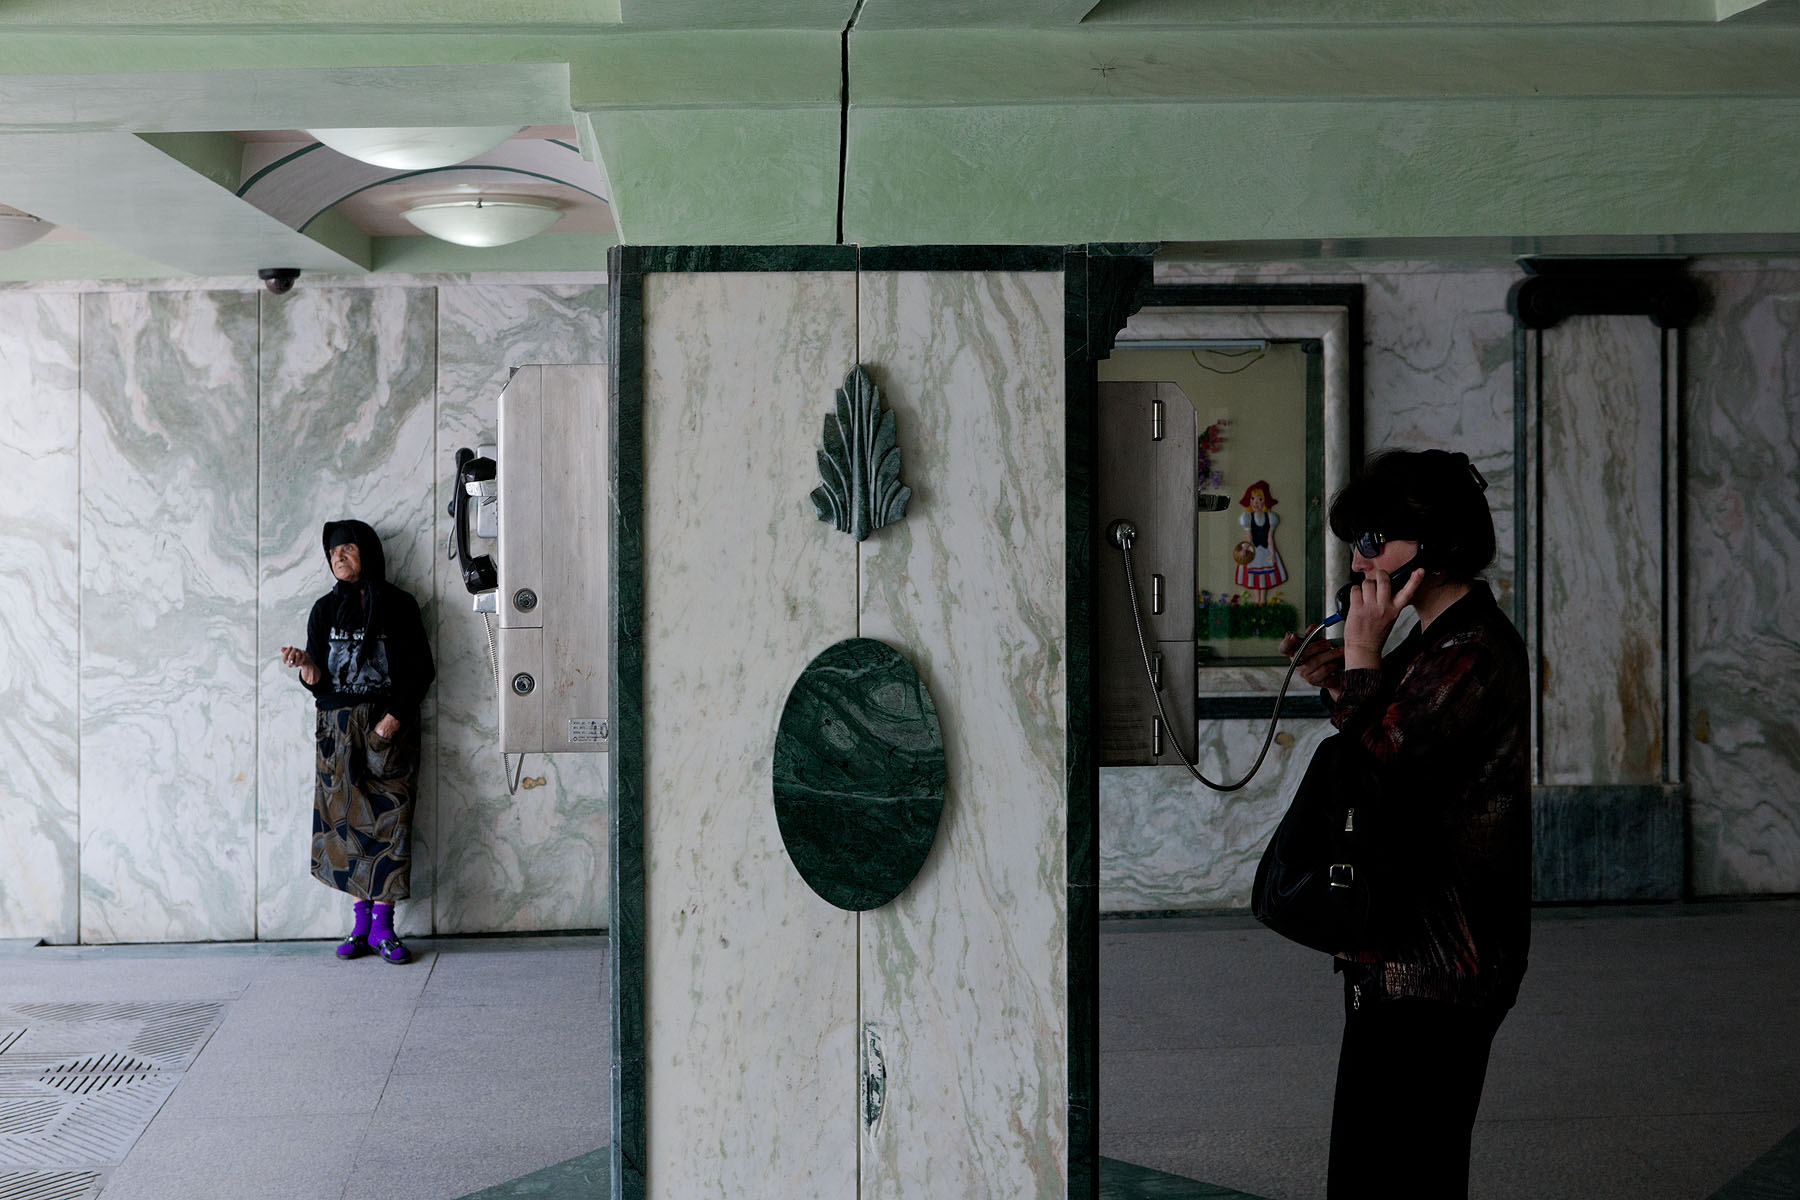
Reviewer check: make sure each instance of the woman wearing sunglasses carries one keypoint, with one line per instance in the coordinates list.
(1440, 723)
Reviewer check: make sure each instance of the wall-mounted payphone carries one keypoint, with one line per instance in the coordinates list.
(540, 496)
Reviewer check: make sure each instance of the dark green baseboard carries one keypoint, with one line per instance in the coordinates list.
(1774, 1176)
(1122, 1181)
(1608, 843)
(589, 1178)
(586, 1177)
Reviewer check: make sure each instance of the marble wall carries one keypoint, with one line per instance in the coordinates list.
(1742, 595)
(164, 543)
(750, 986)
(168, 560)
(1600, 525)
(965, 974)
(367, 453)
(536, 859)
(162, 526)
(40, 340)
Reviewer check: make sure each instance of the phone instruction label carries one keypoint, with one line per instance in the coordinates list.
(587, 731)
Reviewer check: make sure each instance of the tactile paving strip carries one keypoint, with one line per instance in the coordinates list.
(51, 1185)
(80, 1082)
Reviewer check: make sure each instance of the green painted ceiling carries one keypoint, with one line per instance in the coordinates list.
(1379, 124)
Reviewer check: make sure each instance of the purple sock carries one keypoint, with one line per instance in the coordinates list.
(381, 928)
(360, 928)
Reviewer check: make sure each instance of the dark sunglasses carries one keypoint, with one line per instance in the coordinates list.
(1369, 544)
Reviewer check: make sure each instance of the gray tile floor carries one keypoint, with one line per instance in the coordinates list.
(482, 1061)
(1655, 1053)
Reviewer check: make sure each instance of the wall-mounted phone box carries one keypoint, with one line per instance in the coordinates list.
(554, 607)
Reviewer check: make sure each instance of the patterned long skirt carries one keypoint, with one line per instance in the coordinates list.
(363, 804)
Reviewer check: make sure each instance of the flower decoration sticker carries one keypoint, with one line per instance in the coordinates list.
(1209, 477)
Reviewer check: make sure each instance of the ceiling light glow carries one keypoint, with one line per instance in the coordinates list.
(484, 220)
(415, 149)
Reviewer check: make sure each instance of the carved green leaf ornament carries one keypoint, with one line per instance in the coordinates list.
(860, 462)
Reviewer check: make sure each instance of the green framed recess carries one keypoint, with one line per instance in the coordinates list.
(1348, 297)
(1601, 842)
(1102, 286)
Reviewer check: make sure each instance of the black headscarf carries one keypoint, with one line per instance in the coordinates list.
(357, 606)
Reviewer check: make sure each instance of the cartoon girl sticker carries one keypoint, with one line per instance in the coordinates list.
(1259, 565)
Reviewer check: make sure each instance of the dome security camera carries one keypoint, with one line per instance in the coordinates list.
(279, 280)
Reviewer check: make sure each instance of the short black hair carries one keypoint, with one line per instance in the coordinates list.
(1434, 497)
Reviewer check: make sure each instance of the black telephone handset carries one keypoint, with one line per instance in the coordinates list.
(478, 572)
(1396, 579)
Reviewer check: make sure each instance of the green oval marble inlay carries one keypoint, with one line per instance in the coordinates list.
(859, 774)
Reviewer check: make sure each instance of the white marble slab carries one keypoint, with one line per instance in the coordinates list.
(1170, 844)
(1601, 525)
(750, 977)
(536, 859)
(1438, 372)
(1742, 596)
(964, 975)
(347, 430)
(168, 596)
(39, 592)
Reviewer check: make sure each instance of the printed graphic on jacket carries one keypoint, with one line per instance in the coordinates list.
(349, 679)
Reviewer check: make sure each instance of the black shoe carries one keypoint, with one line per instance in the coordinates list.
(354, 946)
(394, 951)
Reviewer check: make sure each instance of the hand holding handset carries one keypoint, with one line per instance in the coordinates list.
(1396, 580)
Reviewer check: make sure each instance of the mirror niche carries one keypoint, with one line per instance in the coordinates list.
(1227, 418)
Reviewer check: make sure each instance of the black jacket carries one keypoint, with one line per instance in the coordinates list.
(1444, 725)
(367, 638)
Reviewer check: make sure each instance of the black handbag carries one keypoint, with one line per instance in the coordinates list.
(1319, 877)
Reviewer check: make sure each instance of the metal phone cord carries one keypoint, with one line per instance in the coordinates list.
(1122, 534)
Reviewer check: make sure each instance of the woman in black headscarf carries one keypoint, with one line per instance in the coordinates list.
(367, 664)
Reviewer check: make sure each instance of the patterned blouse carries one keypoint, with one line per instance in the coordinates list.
(1444, 722)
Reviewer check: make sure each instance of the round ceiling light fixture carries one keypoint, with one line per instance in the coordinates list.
(483, 220)
(415, 149)
(20, 229)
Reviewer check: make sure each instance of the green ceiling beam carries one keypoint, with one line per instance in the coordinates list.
(92, 99)
(427, 17)
(333, 230)
(430, 16)
(725, 70)
(123, 191)
(1006, 121)
(1726, 9)
(736, 14)
(749, 176)
(1350, 169)
(59, 261)
(320, 14)
(49, 53)
(976, 67)
(1181, 13)
(217, 156)
(984, 14)
(728, 138)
